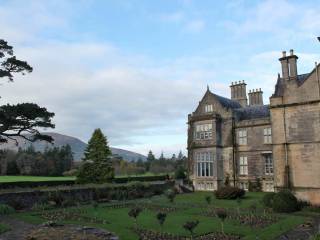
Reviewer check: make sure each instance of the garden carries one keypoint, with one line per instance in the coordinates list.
(198, 215)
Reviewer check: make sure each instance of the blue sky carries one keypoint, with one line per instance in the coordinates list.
(136, 68)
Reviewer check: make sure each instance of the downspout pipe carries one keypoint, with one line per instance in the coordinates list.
(234, 152)
(317, 76)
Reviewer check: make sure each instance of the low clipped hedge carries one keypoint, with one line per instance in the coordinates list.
(229, 192)
(34, 184)
(281, 202)
(140, 179)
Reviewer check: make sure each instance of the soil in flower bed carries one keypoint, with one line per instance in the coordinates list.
(69, 232)
(62, 215)
(145, 206)
(145, 234)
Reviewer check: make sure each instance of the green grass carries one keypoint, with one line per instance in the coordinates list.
(3, 228)
(32, 178)
(120, 222)
(4, 179)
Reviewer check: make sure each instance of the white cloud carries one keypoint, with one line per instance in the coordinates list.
(90, 85)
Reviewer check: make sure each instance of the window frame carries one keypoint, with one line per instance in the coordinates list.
(204, 164)
(242, 137)
(268, 164)
(243, 166)
(267, 135)
(203, 131)
(208, 108)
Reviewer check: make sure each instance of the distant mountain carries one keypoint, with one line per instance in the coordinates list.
(76, 144)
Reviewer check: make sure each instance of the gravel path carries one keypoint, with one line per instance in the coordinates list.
(303, 232)
(18, 229)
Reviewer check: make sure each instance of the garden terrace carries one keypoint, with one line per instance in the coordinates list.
(113, 217)
(64, 195)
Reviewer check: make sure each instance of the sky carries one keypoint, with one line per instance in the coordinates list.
(137, 68)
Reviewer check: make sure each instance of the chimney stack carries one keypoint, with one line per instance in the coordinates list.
(239, 92)
(256, 97)
(289, 65)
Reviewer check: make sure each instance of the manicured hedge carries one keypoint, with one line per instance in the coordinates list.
(33, 184)
(140, 179)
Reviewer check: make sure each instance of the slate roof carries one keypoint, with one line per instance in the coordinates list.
(226, 102)
(302, 78)
(252, 112)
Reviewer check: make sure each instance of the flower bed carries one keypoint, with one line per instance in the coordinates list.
(250, 219)
(63, 215)
(145, 234)
(69, 232)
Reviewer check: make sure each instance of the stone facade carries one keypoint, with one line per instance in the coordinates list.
(276, 145)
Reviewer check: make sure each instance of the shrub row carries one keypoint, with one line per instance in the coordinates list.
(31, 184)
(71, 195)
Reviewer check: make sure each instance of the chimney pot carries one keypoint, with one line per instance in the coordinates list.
(291, 52)
(284, 54)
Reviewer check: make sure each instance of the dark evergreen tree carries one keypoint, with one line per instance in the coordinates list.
(162, 158)
(97, 164)
(25, 119)
(150, 157)
(180, 155)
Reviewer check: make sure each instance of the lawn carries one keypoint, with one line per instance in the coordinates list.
(185, 208)
(32, 179)
(4, 179)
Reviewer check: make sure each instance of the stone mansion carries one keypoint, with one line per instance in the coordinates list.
(243, 140)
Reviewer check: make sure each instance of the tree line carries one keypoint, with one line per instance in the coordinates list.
(174, 164)
(52, 162)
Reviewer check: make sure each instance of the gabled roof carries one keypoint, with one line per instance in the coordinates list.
(227, 103)
(302, 78)
(278, 92)
(252, 112)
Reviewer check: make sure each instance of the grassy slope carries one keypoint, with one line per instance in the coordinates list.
(120, 223)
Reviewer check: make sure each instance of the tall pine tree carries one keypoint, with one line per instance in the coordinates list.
(97, 165)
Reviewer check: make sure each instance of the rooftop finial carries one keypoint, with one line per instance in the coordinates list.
(208, 87)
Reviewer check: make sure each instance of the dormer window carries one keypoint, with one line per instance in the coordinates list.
(208, 108)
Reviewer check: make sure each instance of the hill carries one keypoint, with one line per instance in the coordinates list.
(76, 144)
